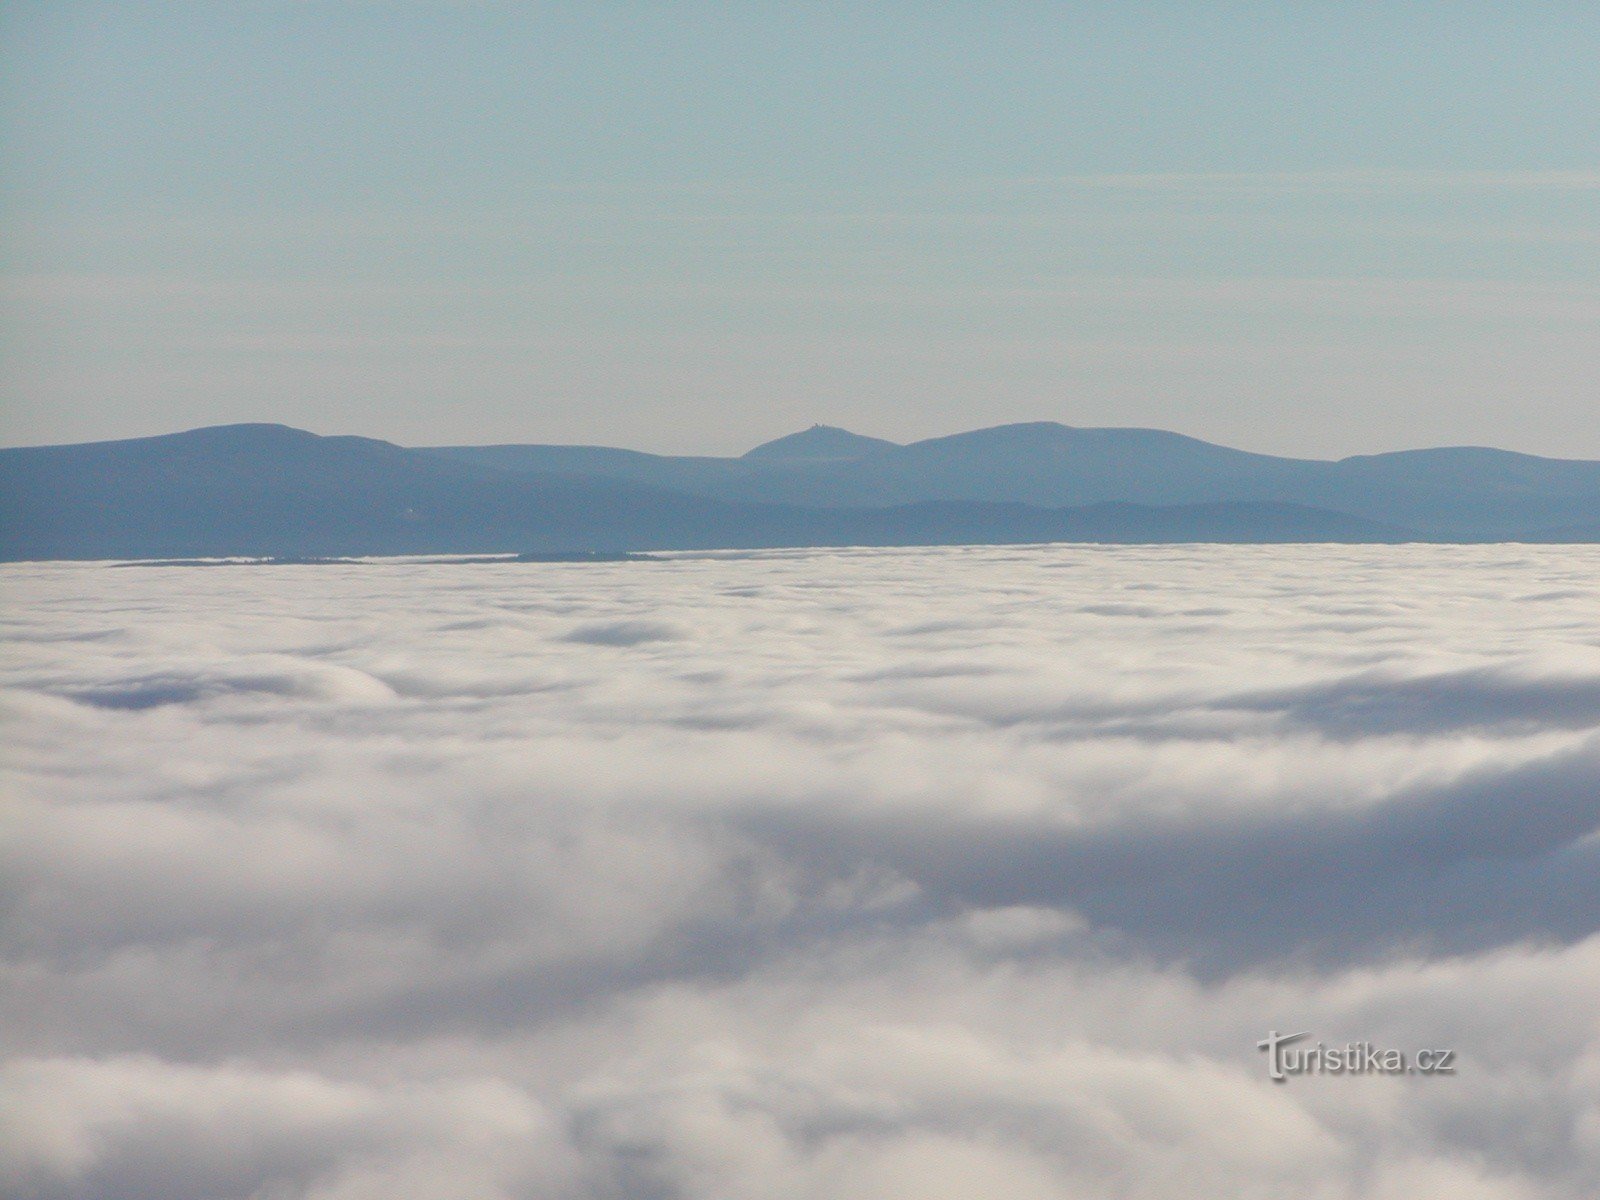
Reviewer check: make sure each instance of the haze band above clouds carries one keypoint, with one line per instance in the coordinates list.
(803, 874)
(1404, 307)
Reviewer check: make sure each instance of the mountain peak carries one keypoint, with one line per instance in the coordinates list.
(819, 442)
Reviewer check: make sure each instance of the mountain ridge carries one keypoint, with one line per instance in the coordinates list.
(1469, 493)
(819, 441)
(267, 489)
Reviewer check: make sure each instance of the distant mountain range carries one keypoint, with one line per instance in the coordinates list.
(268, 490)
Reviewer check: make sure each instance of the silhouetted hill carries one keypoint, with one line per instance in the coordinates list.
(1049, 464)
(271, 491)
(825, 442)
(1454, 494)
(1463, 491)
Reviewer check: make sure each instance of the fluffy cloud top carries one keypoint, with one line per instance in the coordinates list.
(877, 874)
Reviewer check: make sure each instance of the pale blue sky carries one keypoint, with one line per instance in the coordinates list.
(1304, 228)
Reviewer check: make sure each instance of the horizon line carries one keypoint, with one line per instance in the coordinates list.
(804, 429)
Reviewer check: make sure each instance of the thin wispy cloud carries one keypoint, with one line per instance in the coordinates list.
(1351, 180)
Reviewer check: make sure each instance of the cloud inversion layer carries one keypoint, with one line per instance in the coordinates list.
(803, 874)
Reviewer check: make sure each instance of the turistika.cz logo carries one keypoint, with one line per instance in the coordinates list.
(1285, 1058)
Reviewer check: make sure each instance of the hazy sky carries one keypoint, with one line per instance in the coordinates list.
(1305, 228)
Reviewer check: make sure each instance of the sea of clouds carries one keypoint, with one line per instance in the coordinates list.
(972, 872)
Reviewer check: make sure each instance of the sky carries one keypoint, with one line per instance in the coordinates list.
(1313, 228)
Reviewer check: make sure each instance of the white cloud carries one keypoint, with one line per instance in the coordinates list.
(803, 874)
